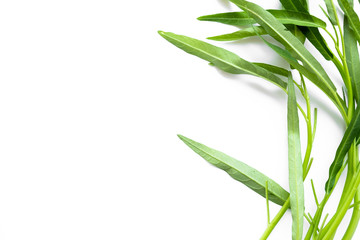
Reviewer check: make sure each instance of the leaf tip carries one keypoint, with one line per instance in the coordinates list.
(180, 136)
(162, 33)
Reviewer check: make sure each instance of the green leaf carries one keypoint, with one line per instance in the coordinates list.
(230, 18)
(295, 164)
(352, 17)
(243, 33)
(274, 69)
(295, 64)
(352, 58)
(331, 11)
(280, 33)
(283, 16)
(295, 30)
(350, 1)
(221, 58)
(295, 5)
(351, 134)
(240, 171)
(311, 33)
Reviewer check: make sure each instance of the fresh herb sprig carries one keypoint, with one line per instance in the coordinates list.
(291, 27)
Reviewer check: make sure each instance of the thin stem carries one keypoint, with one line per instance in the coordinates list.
(314, 226)
(307, 219)
(340, 213)
(267, 202)
(354, 218)
(314, 192)
(276, 219)
(324, 221)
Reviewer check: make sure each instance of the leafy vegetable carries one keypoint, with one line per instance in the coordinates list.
(290, 28)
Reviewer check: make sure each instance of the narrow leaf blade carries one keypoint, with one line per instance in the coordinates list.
(283, 16)
(351, 134)
(240, 171)
(352, 58)
(230, 18)
(274, 69)
(221, 58)
(243, 33)
(295, 165)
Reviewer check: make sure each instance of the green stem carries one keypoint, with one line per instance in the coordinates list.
(354, 219)
(340, 213)
(276, 219)
(314, 226)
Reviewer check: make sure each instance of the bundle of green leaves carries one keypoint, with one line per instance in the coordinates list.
(291, 27)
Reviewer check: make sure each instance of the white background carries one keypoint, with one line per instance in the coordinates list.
(91, 100)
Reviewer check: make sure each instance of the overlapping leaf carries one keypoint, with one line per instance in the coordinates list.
(311, 33)
(221, 58)
(279, 32)
(240, 171)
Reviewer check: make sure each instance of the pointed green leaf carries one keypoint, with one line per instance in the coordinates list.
(283, 16)
(274, 69)
(243, 33)
(280, 33)
(230, 18)
(311, 33)
(221, 58)
(240, 171)
(351, 134)
(295, 165)
(352, 58)
(352, 17)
